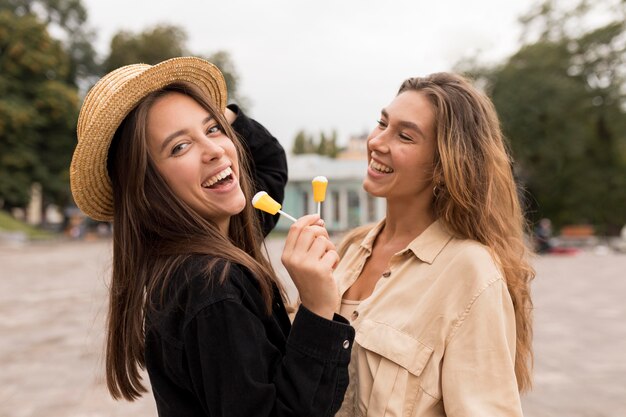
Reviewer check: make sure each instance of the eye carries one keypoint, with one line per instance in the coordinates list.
(406, 137)
(179, 148)
(213, 129)
(381, 123)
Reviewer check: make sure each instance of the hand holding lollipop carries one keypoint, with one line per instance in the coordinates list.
(264, 202)
(319, 192)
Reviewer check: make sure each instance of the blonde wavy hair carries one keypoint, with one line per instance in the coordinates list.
(476, 196)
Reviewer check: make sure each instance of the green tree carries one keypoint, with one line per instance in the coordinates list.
(323, 145)
(561, 102)
(299, 143)
(224, 62)
(68, 18)
(38, 110)
(328, 145)
(150, 46)
(304, 143)
(162, 42)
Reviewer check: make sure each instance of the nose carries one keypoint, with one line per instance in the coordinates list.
(211, 150)
(377, 142)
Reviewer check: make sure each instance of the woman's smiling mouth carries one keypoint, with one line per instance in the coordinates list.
(377, 166)
(220, 179)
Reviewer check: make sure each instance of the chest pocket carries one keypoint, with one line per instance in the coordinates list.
(400, 361)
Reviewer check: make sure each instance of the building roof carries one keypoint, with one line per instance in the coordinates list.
(306, 167)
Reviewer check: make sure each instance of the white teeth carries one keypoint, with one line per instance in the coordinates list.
(380, 167)
(219, 176)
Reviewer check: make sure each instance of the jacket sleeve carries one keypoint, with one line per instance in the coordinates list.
(478, 372)
(237, 372)
(268, 162)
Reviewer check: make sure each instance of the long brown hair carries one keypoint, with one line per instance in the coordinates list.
(155, 232)
(477, 196)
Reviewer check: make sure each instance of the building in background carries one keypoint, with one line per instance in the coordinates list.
(346, 206)
(355, 149)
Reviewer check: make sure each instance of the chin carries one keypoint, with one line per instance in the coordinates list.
(371, 190)
(239, 206)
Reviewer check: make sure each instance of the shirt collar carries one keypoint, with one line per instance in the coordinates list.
(430, 242)
(368, 241)
(425, 247)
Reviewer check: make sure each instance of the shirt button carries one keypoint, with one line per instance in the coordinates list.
(346, 344)
(355, 315)
(386, 274)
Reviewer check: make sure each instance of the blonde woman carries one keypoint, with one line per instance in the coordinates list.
(438, 291)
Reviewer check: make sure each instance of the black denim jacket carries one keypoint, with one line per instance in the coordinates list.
(211, 350)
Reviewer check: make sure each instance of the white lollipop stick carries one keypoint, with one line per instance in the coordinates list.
(287, 216)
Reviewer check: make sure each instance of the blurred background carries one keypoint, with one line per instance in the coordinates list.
(316, 75)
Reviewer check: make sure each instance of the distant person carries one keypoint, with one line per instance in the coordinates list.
(192, 298)
(438, 291)
(543, 234)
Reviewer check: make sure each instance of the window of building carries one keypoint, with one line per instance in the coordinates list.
(354, 209)
(305, 203)
(334, 195)
(371, 208)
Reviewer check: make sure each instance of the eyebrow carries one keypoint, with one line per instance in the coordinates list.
(181, 132)
(405, 124)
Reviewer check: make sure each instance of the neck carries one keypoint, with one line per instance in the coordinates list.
(223, 226)
(404, 222)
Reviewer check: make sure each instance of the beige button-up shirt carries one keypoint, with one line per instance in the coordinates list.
(437, 335)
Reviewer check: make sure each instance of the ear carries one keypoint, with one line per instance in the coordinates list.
(437, 176)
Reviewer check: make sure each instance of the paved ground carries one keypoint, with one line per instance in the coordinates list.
(52, 310)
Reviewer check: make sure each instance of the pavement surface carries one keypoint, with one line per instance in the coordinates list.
(53, 308)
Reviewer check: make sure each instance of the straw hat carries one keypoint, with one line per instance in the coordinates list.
(105, 107)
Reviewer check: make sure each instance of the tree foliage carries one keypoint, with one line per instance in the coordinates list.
(68, 18)
(305, 143)
(149, 47)
(560, 99)
(162, 42)
(38, 110)
(302, 144)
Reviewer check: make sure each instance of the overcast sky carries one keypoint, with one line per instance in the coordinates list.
(323, 65)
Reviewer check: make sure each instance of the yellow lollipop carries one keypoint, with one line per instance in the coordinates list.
(264, 202)
(319, 191)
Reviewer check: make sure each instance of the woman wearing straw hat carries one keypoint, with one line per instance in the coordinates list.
(192, 298)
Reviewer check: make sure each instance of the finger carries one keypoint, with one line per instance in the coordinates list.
(330, 243)
(310, 219)
(319, 247)
(296, 229)
(330, 260)
(319, 231)
(229, 115)
(336, 261)
(305, 240)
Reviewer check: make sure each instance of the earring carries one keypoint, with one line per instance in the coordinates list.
(437, 189)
